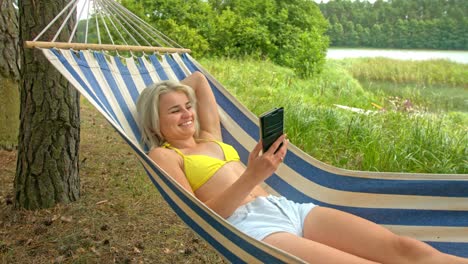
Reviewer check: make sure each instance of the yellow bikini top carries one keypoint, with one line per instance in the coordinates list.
(200, 168)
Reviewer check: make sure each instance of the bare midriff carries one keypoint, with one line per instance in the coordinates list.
(224, 178)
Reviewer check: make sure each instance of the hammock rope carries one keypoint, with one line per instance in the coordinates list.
(135, 33)
(428, 207)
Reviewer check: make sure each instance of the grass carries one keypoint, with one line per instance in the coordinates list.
(414, 134)
(120, 217)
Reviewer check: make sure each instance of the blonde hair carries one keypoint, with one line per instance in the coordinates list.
(148, 111)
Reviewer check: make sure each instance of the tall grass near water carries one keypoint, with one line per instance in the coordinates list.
(437, 85)
(392, 141)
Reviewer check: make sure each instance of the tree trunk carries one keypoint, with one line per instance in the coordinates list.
(9, 75)
(47, 167)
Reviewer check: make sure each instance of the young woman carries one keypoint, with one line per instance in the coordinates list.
(180, 123)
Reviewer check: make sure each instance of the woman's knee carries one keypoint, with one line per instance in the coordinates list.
(412, 250)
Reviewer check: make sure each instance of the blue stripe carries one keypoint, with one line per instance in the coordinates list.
(188, 63)
(448, 188)
(145, 75)
(101, 100)
(128, 79)
(457, 249)
(158, 67)
(100, 58)
(175, 67)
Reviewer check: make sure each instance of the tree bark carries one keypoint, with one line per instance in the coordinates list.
(47, 170)
(9, 75)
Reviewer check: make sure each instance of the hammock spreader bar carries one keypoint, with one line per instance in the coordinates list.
(106, 47)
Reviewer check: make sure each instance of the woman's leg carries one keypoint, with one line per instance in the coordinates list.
(312, 251)
(368, 240)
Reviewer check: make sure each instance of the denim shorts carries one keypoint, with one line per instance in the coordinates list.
(267, 215)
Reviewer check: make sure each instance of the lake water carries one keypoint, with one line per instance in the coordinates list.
(456, 56)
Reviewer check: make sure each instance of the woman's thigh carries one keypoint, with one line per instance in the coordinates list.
(311, 251)
(360, 237)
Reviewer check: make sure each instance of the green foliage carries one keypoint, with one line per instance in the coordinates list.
(290, 33)
(394, 140)
(398, 23)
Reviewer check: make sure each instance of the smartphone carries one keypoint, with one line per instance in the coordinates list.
(271, 127)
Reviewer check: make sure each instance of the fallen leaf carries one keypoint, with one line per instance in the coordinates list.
(101, 202)
(95, 251)
(113, 249)
(136, 250)
(66, 219)
(59, 259)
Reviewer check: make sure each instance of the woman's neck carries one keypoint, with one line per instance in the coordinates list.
(183, 143)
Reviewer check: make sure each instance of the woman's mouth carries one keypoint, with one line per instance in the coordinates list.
(188, 123)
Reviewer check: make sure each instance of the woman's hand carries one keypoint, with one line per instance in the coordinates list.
(263, 166)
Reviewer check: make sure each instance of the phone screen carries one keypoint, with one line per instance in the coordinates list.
(271, 126)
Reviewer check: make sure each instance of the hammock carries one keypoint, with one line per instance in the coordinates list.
(428, 207)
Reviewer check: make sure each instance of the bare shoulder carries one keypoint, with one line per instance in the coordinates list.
(172, 163)
(164, 156)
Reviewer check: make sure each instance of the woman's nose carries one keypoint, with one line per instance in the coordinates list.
(186, 112)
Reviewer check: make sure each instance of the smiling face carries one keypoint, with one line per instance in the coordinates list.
(176, 116)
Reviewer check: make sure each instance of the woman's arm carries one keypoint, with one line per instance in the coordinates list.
(171, 163)
(259, 168)
(207, 108)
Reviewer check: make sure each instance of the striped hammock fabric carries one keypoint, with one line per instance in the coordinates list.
(428, 207)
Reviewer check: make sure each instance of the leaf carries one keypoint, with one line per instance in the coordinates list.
(101, 202)
(66, 219)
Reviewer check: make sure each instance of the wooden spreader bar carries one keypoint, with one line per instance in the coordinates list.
(107, 47)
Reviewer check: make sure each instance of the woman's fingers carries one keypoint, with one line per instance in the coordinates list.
(256, 151)
(275, 147)
(283, 149)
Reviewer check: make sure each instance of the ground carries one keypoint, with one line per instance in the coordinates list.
(120, 217)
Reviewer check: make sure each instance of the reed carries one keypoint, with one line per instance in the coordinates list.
(424, 73)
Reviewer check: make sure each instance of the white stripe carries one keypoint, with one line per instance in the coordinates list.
(179, 61)
(67, 54)
(122, 87)
(99, 75)
(152, 70)
(167, 68)
(135, 73)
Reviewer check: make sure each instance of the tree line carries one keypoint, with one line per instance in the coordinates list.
(428, 24)
(290, 33)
